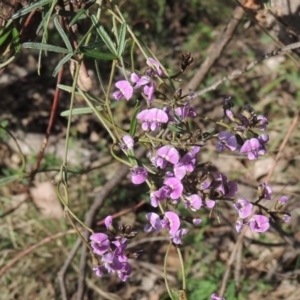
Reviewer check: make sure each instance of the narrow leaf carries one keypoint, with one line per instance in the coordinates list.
(122, 35)
(81, 12)
(96, 54)
(16, 39)
(133, 123)
(26, 9)
(8, 179)
(63, 34)
(61, 63)
(4, 35)
(45, 47)
(80, 111)
(104, 36)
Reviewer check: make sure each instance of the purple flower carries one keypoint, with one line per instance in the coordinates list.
(259, 223)
(171, 221)
(262, 123)
(100, 243)
(197, 221)
(159, 195)
(111, 262)
(98, 271)
(228, 189)
(138, 175)
(125, 89)
(108, 222)
(187, 163)
(281, 202)
(169, 154)
(194, 202)
(128, 142)
(243, 207)
(175, 185)
(154, 64)
(139, 81)
(185, 111)
(149, 91)
(125, 271)
(226, 139)
(238, 226)
(176, 237)
(152, 118)
(286, 218)
(254, 147)
(265, 191)
(154, 221)
(215, 296)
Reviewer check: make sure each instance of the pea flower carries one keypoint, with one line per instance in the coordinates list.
(100, 243)
(176, 237)
(226, 139)
(259, 223)
(138, 175)
(244, 208)
(154, 221)
(125, 90)
(171, 221)
(152, 118)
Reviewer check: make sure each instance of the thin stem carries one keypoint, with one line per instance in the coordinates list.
(182, 269)
(165, 271)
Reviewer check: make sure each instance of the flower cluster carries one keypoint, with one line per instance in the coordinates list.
(173, 173)
(242, 136)
(109, 253)
(259, 222)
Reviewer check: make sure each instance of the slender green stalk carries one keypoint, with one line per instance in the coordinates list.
(182, 269)
(165, 271)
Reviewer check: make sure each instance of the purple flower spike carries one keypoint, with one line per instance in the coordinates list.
(259, 223)
(226, 139)
(138, 175)
(169, 153)
(128, 142)
(194, 202)
(100, 243)
(125, 89)
(171, 221)
(176, 237)
(215, 296)
(175, 185)
(243, 207)
(154, 221)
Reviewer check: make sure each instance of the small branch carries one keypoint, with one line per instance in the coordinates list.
(239, 72)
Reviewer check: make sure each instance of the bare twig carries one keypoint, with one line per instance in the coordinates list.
(217, 49)
(239, 72)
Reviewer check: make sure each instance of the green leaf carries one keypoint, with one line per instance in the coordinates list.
(175, 129)
(133, 123)
(8, 179)
(91, 97)
(16, 39)
(44, 21)
(81, 12)
(61, 63)
(45, 47)
(62, 34)
(104, 36)
(4, 35)
(96, 54)
(122, 35)
(26, 9)
(80, 111)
